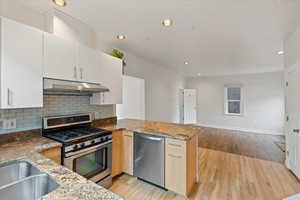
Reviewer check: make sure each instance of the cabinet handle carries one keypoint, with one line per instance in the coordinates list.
(171, 155)
(75, 72)
(103, 97)
(8, 97)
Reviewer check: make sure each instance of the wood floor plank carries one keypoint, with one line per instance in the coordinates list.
(223, 176)
(243, 143)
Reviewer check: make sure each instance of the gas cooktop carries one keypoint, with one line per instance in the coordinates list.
(74, 134)
(70, 128)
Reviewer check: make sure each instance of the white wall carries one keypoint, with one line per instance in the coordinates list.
(15, 10)
(69, 28)
(263, 102)
(161, 86)
(292, 49)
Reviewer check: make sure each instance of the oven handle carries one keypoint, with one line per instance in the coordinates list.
(88, 150)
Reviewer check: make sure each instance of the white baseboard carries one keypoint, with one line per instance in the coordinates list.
(258, 131)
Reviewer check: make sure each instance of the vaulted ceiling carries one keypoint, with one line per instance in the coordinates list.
(215, 37)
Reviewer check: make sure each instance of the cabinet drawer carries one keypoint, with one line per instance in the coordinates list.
(175, 147)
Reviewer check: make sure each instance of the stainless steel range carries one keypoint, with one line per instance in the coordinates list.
(86, 150)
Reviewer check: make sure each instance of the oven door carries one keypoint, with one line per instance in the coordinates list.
(93, 163)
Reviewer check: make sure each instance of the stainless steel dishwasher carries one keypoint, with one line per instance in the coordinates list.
(149, 158)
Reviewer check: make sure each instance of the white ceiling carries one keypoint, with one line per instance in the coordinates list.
(215, 36)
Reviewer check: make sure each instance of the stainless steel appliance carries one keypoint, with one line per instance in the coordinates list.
(64, 87)
(20, 179)
(149, 158)
(86, 150)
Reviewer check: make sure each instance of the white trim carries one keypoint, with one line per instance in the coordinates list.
(258, 131)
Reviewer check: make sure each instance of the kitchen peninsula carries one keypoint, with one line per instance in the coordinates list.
(181, 152)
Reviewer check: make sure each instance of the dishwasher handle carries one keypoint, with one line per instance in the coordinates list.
(149, 137)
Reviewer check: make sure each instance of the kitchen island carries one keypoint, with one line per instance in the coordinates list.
(28, 146)
(181, 152)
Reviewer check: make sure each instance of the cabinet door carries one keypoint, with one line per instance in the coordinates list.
(128, 152)
(21, 65)
(111, 77)
(59, 58)
(117, 137)
(175, 166)
(88, 62)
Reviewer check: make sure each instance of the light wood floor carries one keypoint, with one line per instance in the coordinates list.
(224, 176)
(243, 143)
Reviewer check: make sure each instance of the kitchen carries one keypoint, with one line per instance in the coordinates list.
(95, 107)
(59, 69)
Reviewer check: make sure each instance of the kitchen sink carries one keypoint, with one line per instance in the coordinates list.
(16, 170)
(22, 180)
(30, 188)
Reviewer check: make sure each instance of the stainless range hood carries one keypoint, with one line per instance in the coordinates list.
(72, 88)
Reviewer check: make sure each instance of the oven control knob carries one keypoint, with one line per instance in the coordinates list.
(93, 142)
(102, 139)
(82, 145)
(75, 146)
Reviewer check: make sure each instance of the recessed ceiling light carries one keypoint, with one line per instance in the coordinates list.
(61, 3)
(167, 22)
(121, 37)
(198, 74)
(280, 52)
(186, 62)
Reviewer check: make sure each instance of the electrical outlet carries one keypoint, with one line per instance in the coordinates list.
(12, 123)
(5, 124)
(9, 124)
(97, 115)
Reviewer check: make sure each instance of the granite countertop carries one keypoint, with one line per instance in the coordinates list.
(27, 146)
(171, 130)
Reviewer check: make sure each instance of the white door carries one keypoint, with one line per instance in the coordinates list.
(21, 65)
(189, 102)
(292, 129)
(88, 62)
(60, 58)
(133, 106)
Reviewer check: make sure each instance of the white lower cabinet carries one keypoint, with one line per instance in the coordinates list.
(111, 77)
(21, 65)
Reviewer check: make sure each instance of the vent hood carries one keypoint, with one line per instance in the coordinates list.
(73, 88)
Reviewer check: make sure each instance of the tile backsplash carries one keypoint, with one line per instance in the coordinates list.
(31, 118)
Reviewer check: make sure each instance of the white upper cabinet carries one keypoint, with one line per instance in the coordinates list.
(60, 58)
(21, 65)
(111, 77)
(88, 63)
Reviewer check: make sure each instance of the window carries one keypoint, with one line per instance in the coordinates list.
(233, 100)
